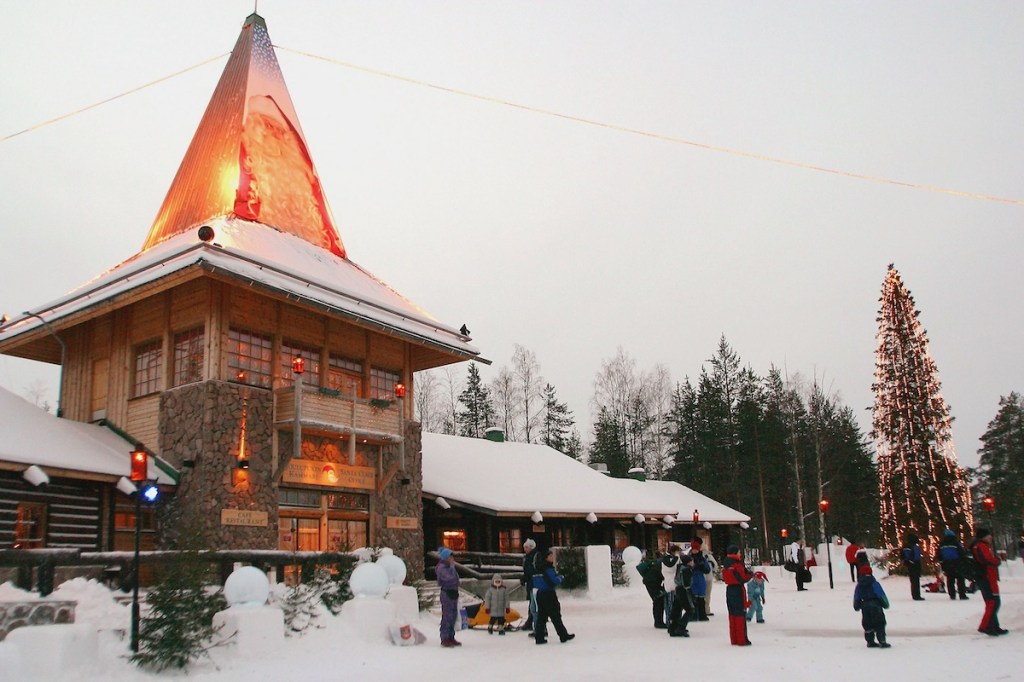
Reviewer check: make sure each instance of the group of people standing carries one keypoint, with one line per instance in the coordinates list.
(679, 586)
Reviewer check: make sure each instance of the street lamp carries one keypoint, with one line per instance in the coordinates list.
(823, 506)
(989, 504)
(784, 535)
(138, 474)
(298, 367)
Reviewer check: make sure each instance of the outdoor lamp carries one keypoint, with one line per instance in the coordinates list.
(298, 365)
(536, 517)
(399, 390)
(35, 476)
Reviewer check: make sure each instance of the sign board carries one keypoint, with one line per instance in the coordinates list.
(403, 522)
(331, 474)
(243, 517)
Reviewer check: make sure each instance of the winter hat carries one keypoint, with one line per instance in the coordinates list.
(732, 549)
(529, 544)
(949, 533)
(696, 542)
(864, 569)
(760, 575)
(444, 553)
(982, 532)
(496, 580)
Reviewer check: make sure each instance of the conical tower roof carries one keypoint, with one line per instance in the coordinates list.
(248, 157)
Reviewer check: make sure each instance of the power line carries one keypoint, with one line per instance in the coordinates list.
(659, 136)
(111, 99)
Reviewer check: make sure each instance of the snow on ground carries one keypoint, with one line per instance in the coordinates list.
(811, 636)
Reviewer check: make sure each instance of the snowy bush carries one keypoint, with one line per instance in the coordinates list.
(572, 566)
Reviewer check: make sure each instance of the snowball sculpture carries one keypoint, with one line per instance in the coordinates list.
(385, 551)
(631, 556)
(363, 554)
(394, 567)
(247, 587)
(369, 581)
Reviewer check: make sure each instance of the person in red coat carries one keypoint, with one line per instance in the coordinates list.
(735, 576)
(987, 580)
(851, 558)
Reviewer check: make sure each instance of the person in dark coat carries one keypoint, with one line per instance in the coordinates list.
(796, 555)
(529, 569)
(911, 557)
(988, 580)
(448, 581)
(682, 601)
(951, 555)
(667, 587)
(869, 598)
(544, 583)
(735, 576)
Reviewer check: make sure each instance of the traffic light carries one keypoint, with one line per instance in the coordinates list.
(140, 466)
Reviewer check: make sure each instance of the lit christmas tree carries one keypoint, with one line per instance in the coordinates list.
(923, 489)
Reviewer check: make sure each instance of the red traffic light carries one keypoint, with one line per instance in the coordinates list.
(140, 466)
(989, 503)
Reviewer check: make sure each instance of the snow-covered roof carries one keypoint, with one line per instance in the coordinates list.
(33, 436)
(261, 255)
(522, 478)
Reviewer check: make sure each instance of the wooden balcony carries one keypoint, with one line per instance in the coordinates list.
(326, 412)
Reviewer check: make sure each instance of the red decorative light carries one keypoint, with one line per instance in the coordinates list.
(785, 533)
(399, 390)
(823, 505)
(298, 365)
(696, 516)
(989, 503)
(140, 465)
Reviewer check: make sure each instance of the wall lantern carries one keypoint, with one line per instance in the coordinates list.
(640, 518)
(243, 462)
(442, 503)
(35, 476)
(399, 391)
(537, 517)
(668, 519)
(298, 365)
(744, 525)
(696, 516)
(591, 517)
(707, 525)
(140, 465)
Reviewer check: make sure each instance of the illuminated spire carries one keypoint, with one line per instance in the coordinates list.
(249, 156)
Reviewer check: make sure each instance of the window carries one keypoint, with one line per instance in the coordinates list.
(345, 536)
(298, 498)
(509, 541)
(382, 383)
(561, 537)
(350, 501)
(249, 357)
(148, 361)
(311, 373)
(30, 526)
(455, 540)
(188, 357)
(345, 375)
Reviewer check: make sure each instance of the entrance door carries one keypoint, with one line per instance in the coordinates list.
(297, 535)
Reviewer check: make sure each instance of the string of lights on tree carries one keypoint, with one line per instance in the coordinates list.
(923, 489)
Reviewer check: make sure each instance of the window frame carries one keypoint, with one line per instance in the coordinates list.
(256, 370)
(187, 345)
(147, 379)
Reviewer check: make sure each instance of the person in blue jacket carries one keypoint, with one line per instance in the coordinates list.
(701, 568)
(869, 598)
(952, 556)
(448, 581)
(911, 557)
(544, 583)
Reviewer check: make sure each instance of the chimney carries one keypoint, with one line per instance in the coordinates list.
(495, 434)
(637, 473)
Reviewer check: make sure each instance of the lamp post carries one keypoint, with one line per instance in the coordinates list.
(696, 522)
(139, 471)
(823, 506)
(784, 537)
(298, 367)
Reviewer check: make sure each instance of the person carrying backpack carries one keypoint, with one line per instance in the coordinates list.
(650, 573)
(682, 601)
(869, 598)
(911, 556)
(987, 575)
(951, 555)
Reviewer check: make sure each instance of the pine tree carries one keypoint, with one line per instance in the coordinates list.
(179, 625)
(556, 421)
(477, 413)
(1000, 472)
(922, 487)
(608, 447)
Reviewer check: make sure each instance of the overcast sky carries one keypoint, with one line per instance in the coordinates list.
(574, 239)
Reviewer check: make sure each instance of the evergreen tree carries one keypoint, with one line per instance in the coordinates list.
(556, 421)
(1000, 472)
(922, 487)
(178, 627)
(477, 413)
(574, 445)
(608, 447)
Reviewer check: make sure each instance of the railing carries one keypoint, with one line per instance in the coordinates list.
(326, 410)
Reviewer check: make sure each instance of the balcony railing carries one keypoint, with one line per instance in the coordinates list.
(324, 411)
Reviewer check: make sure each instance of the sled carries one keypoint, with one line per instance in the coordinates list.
(479, 616)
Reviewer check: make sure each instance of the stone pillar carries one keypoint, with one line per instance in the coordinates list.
(403, 500)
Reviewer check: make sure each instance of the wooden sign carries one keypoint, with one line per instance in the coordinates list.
(403, 522)
(331, 474)
(243, 517)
